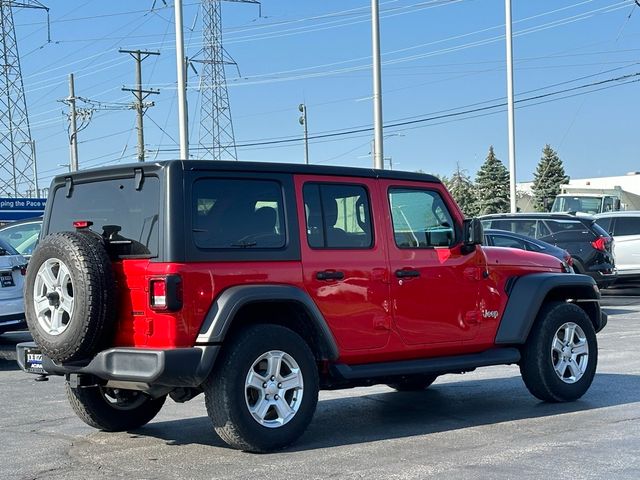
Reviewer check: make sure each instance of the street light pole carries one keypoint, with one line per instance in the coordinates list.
(182, 85)
(303, 121)
(510, 107)
(378, 156)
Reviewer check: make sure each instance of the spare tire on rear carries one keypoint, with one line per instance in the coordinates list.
(70, 296)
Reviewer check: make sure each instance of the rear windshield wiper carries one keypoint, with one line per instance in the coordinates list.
(244, 244)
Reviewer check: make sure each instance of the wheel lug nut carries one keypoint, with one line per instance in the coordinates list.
(276, 397)
(279, 385)
(264, 385)
(272, 378)
(266, 396)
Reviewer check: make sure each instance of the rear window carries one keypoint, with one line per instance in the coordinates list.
(117, 211)
(561, 226)
(238, 214)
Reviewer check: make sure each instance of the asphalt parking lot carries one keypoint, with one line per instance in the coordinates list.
(481, 425)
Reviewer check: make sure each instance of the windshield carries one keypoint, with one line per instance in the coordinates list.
(577, 204)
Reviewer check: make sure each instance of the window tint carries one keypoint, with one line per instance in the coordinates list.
(337, 216)
(420, 219)
(627, 226)
(237, 213)
(605, 224)
(116, 209)
(21, 237)
(501, 241)
(559, 226)
(6, 249)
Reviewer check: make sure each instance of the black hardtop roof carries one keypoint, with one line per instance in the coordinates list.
(536, 215)
(241, 166)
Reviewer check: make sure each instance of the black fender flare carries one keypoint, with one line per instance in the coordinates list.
(225, 307)
(529, 292)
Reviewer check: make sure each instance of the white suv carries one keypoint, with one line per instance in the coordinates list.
(625, 229)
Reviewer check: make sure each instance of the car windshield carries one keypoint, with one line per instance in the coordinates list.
(22, 237)
(577, 204)
(6, 249)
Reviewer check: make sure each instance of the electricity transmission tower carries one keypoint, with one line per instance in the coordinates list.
(216, 126)
(16, 152)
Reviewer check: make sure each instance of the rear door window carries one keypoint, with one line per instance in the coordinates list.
(236, 214)
(337, 216)
(510, 242)
(627, 226)
(605, 224)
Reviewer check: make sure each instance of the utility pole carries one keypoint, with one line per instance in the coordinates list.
(378, 151)
(140, 95)
(303, 121)
(181, 67)
(73, 145)
(510, 108)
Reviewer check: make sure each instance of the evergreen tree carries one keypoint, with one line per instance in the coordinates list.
(492, 186)
(547, 179)
(462, 190)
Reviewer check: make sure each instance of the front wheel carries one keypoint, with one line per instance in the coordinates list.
(263, 391)
(560, 357)
(112, 409)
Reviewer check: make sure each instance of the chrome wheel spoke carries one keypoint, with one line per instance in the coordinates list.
(557, 345)
(261, 408)
(64, 277)
(274, 364)
(561, 368)
(48, 277)
(569, 333)
(41, 305)
(56, 320)
(293, 381)
(255, 380)
(66, 304)
(580, 349)
(574, 369)
(283, 409)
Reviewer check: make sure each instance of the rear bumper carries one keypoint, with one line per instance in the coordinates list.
(177, 367)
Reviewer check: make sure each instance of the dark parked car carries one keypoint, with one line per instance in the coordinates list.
(590, 246)
(502, 238)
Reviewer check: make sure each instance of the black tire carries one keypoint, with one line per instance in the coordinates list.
(226, 394)
(91, 325)
(413, 384)
(537, 363)
(113, 410)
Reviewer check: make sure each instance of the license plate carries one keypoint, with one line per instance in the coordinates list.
(6, 280)
(33, 361)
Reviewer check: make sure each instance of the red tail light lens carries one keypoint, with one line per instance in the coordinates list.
(165, 293)
(80, 224)
(568, 258)
(23, 271)
(599, 244)
(158, 289)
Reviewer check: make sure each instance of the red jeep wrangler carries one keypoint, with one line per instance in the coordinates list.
(259, 284)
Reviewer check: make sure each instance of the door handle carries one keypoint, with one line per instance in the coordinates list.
(330, 275)
(407, 273)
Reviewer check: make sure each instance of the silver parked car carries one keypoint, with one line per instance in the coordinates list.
(12, 271)
(624, 227)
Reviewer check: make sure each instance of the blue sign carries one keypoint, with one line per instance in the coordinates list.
(20, 208)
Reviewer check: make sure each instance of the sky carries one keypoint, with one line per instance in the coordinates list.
(577, 81)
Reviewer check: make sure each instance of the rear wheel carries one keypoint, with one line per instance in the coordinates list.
(113, 409)
(413, 384)
(263, 390)
(560, 357)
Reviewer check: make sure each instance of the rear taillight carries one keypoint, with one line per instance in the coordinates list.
(599, 244)
(23, 270)
(165, 293)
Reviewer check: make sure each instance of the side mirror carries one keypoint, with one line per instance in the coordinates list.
(472, 234)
